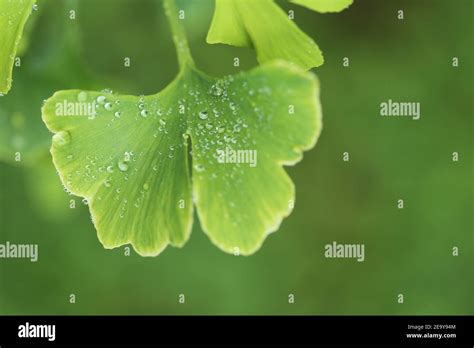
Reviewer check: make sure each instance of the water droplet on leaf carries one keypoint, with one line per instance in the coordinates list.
(203, 115)
(123, 166)
(199, 168)
(82, 96)
(62, 138)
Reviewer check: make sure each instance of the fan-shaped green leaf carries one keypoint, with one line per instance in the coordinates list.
(129, 156)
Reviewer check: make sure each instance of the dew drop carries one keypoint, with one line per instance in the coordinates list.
(62, 138)
(203, 115)
(199, 168)
(82, 96)
(146, 186)
(101, 99)
(144, 113)
(118, 114)
(216, 90)
(108, 106)
(110, 169)
(123, 166)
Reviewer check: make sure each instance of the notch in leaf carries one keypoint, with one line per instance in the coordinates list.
(128, 155)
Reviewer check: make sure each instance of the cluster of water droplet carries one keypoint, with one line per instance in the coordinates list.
(221, 124)
(223, 117)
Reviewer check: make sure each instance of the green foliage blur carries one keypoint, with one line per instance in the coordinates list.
(407, 251)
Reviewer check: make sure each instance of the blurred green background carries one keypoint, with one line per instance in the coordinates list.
(408, 251)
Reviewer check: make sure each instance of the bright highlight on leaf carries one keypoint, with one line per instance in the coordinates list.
(13, 16)
(143, 163)
(324, 6)
(263, 25)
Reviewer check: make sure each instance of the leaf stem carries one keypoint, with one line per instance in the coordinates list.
(179, 34)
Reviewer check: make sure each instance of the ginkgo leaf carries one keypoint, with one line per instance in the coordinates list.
(23, 137)
(13, 16)
(324, 6)
(265, 26)
(267, 118)
(128, 156)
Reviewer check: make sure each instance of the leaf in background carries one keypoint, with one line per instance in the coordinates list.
(13, 16)
(45, 192)
(50, 63)
(264, 25)
(129, 158)
(22, 134)
(324, 6)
